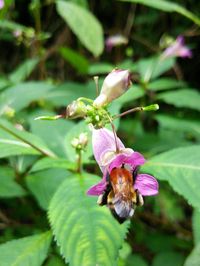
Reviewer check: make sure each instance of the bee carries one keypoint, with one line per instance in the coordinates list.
(119, 195)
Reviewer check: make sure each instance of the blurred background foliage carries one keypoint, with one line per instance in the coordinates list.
(50, 51)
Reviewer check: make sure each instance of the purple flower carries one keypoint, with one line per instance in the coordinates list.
(121, 187)
(1, 4)
(115, 40)
(177, 49)
(115, 84)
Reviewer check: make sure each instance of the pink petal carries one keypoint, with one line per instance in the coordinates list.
(97, 189)
(146, 184)
(135, 159)
(103, 141)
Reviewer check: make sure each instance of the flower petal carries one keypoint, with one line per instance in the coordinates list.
(103, 141)
(97, 189)
(146, 184)
(134, 159)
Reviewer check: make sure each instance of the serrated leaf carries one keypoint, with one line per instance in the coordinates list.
(187, 98)
(31, 91)
(164, 84)
(84, 24)
(168, 6)
(27, 251)
(43, 184)
(17, 142)
(86, 233)
(194, 258)
(23, 71)
(47, 163)
(196, 225)
(181, 168)
(8, 186)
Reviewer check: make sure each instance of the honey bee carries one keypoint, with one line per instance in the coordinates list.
(120, 196)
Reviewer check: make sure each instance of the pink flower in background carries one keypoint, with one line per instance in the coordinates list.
(115, 84)
(177, 49)
(121, 187)
(115, 40)
(1, 4)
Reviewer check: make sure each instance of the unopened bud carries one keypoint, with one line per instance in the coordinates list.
(76, 109)
(114, 85)
(80, 142)
(152, 107)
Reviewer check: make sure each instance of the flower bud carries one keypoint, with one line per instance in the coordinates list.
(80, 142)
(114, 85)
(76, 109)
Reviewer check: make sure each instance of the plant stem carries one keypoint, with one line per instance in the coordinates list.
(136, 109)
(45, 153)
(79, 162)
(114, 133)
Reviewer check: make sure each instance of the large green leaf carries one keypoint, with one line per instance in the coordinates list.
(86, 233)
(27, 251)
(194, 258)
(31, 91)
(188, 98)
(196, 225)
(17, 142)
(84, 24)
(43, 184)
(181, 168)
(8, 186)
(168, 258)
(168, 6)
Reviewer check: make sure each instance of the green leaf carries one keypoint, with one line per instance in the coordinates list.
(153, 67)
(31, 91)
(135, 92)
(100, 68)
(189, 128)
(135, 260)
(196, 226)
(23, 71)
(69, 91)
(168, 6)
(58, 128)
(86, 233)
(78, 61)
(47, 163)
(169, 258)
(27, 251)
(181, 168)
(164, 84)
(187, 98)
(44, 184)
(194, 258)
(8, 186)
(18, 142)
(84, 24)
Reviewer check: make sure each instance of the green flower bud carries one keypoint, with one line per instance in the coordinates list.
(76, 109)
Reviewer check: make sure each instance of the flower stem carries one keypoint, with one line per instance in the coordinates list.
(79, 162)
(136, 109)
